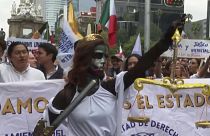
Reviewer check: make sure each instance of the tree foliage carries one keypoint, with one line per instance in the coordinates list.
(196, 30)
(58, 31)
(154, 37)
(126, 37)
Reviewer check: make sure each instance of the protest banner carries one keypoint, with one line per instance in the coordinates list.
(22, 105)
(66, 46)
(191, 48)
(170, 113)
(32, 44)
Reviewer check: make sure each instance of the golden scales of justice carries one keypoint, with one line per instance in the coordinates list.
(204, 123)
(172, 84)
(144, 119)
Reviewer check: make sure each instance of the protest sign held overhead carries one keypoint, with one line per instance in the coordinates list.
(189, 48)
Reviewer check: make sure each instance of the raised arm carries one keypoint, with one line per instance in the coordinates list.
(149, 58)
(202, 71)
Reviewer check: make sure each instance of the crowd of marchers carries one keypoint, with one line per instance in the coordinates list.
(184, 68)
(22, 65)
(19, 64)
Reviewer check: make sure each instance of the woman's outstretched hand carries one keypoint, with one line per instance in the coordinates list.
(177, 24)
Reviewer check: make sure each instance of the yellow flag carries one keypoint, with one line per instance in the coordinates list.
(176, 37)
(72, 21)
(36, 35)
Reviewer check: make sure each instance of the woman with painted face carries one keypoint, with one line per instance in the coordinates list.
(98, 114)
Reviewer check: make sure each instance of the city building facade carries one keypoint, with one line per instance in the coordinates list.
(51, 9)
(161, 15)
(87, 17)
(130, 13)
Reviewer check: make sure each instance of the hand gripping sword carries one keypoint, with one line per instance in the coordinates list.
(42, 130)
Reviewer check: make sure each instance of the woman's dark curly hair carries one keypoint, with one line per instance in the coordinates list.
(78, 74)
(82, 59)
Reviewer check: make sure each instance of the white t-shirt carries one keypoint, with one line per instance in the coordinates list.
(194, 76)
(95, 115)
(9, 74)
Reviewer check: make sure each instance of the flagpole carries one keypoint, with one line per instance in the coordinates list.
(65, 11)
(147, 26)
(99, 4)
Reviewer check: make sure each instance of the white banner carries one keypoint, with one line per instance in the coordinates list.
(66, 46)
(32, 44)
(189, 48)
(22, 104)
(170, 114)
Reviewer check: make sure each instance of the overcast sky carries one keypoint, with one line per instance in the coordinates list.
(198, 9)
(195, 7)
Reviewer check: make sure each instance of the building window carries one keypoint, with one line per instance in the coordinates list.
(156, 1)
(27, 31)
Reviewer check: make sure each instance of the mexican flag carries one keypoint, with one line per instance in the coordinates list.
(109, 20)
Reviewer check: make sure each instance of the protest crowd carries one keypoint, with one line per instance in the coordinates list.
(44, 59)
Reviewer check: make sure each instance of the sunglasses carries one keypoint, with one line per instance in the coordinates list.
(98, 55)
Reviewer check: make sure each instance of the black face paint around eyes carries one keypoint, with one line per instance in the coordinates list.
(97, 55)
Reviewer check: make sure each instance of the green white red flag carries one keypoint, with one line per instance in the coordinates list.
(109, 20)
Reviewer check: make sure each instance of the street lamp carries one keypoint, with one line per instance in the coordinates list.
(147, 25)
(134, 11)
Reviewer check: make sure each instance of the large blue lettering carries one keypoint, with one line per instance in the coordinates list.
(200, 44)
(200, 51)
(65, 43)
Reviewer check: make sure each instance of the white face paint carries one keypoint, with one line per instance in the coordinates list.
(99, 63)
(99, 57)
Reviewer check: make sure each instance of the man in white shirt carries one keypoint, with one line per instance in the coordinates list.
(18, 69)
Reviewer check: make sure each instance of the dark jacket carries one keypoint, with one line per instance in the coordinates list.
(57, 75)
